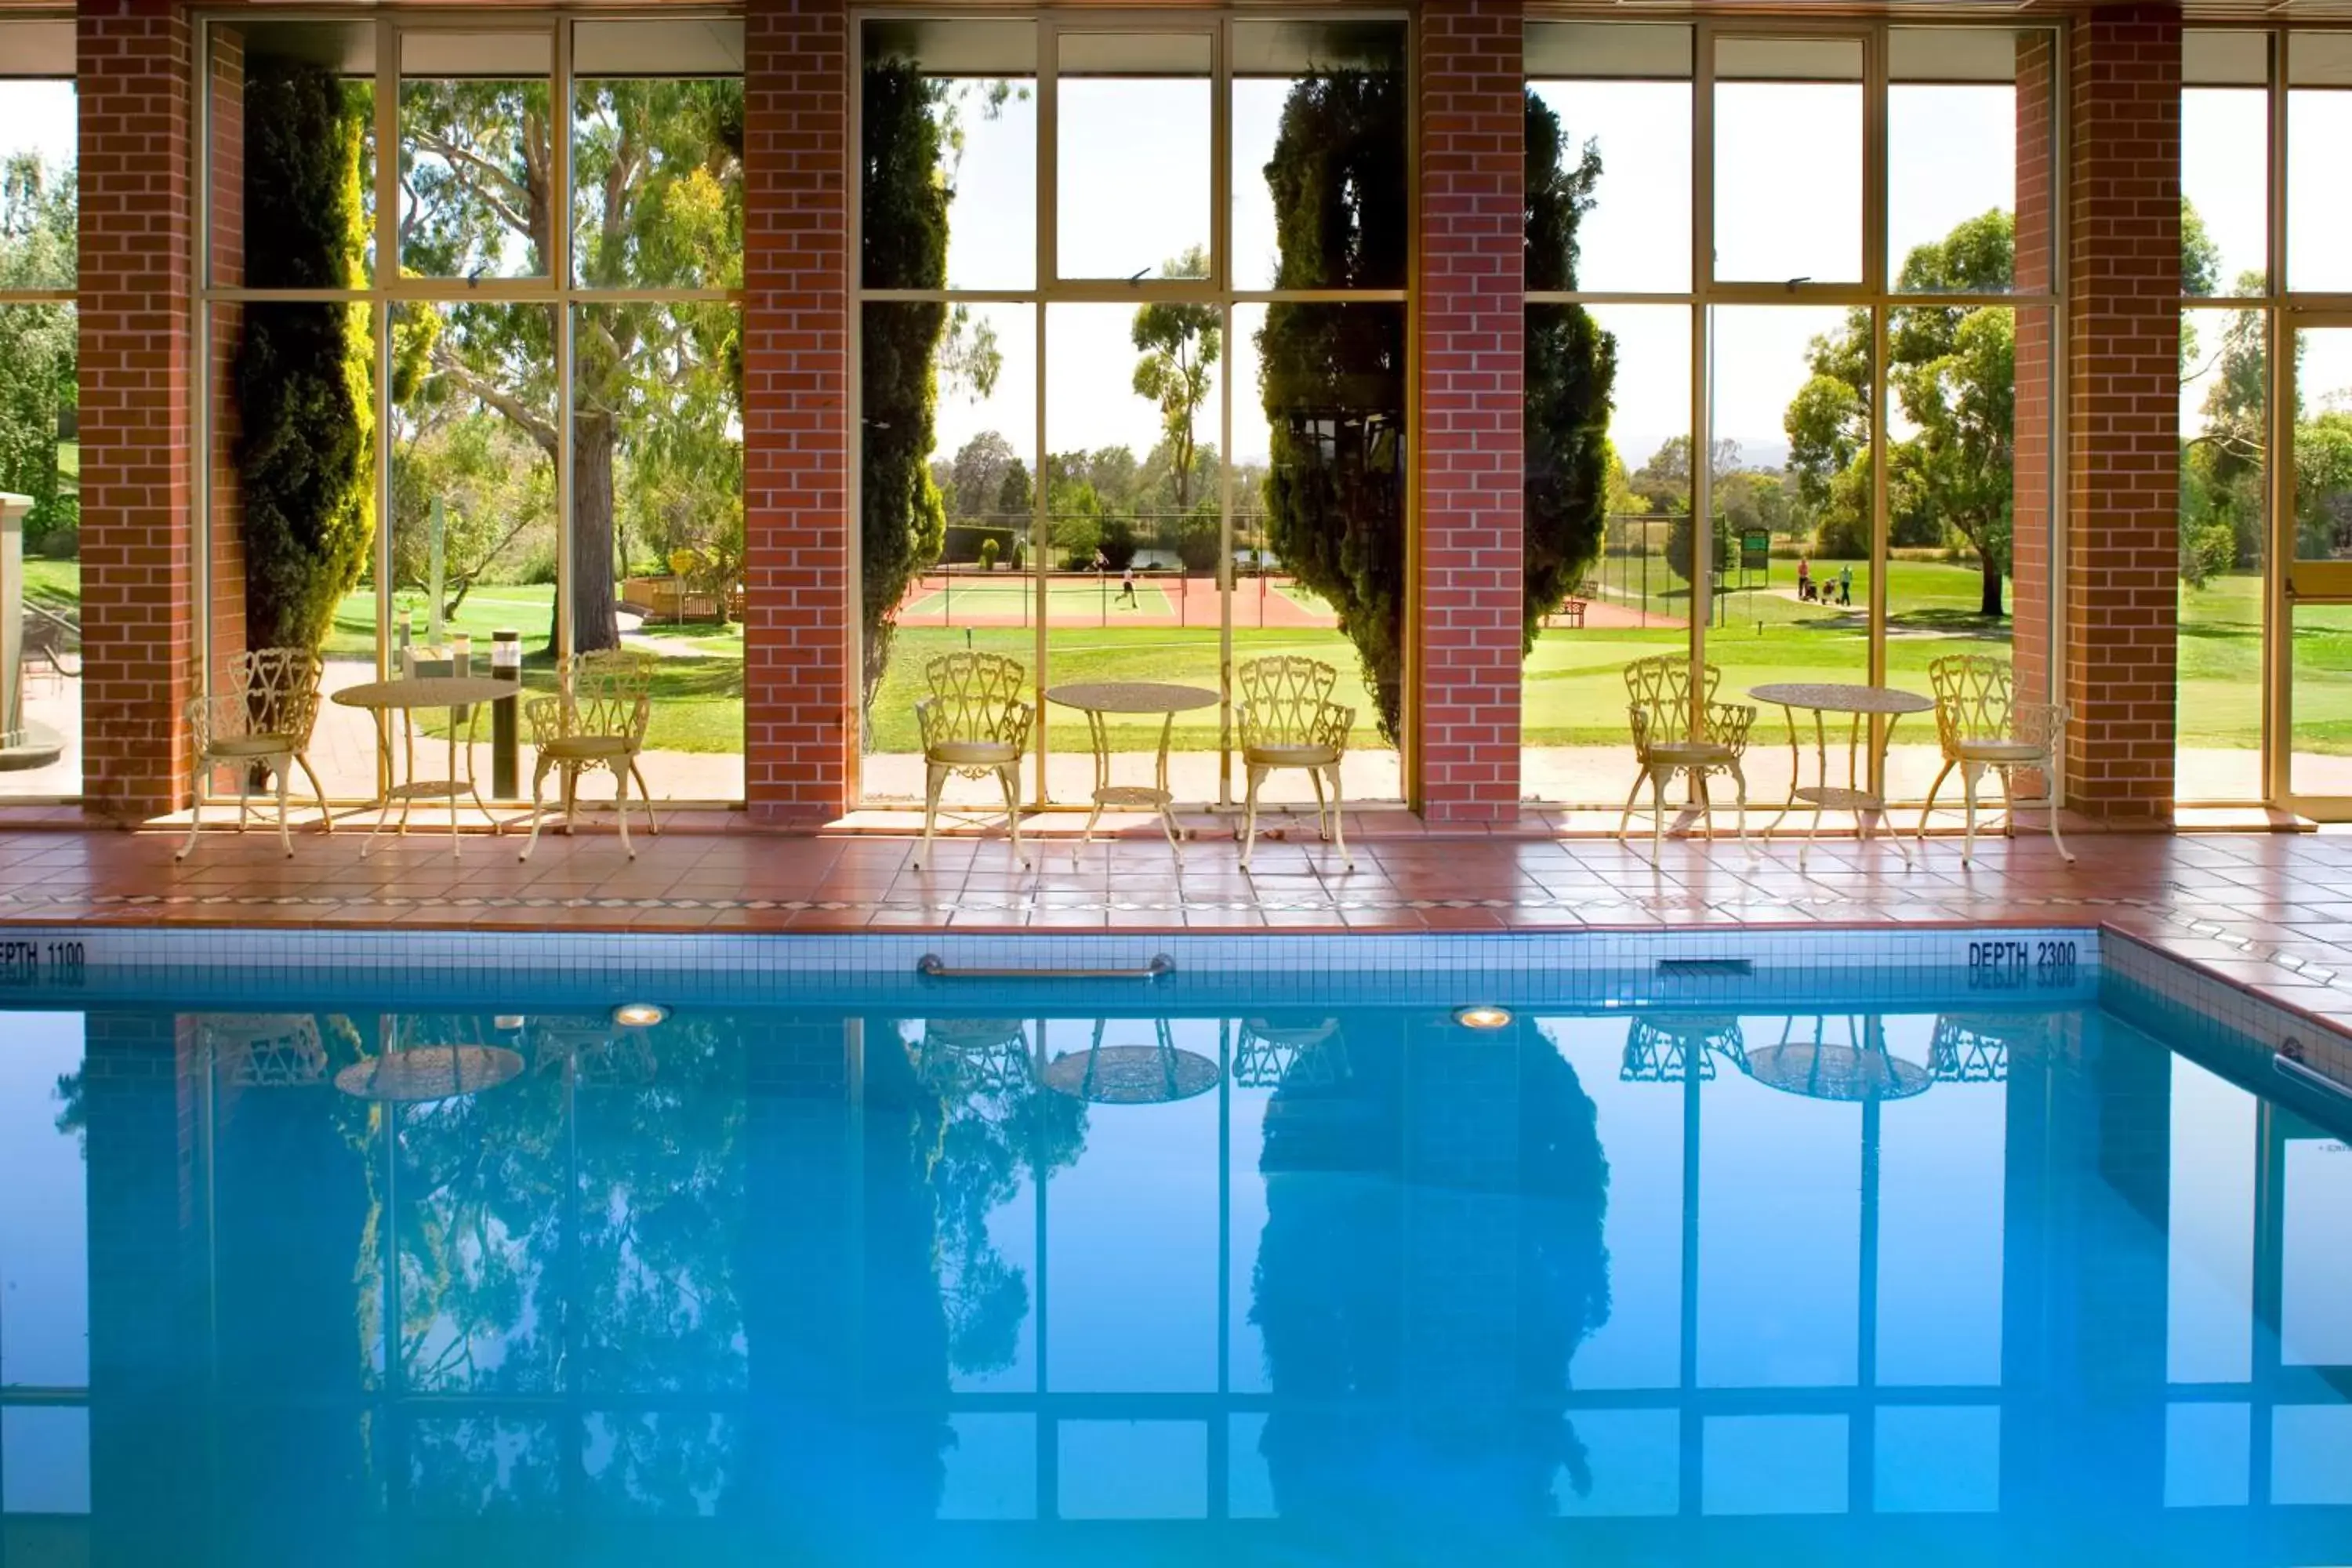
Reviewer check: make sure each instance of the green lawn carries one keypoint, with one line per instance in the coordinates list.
(1575, 693)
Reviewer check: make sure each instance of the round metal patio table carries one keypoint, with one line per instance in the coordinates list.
(455, 692)
(1097, 699)
(1858, 704)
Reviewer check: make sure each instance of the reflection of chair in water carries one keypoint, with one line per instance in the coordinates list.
(1133, 1075)
(984, 1056)
(1666, 1050)
(597, 1052)
(1273, 1053)
(1974, 1047)
(274, 1049)
(1859, 1067)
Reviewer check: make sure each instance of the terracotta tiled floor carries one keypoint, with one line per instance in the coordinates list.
(2271, 911)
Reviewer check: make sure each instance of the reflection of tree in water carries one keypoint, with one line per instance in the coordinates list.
(993, 1123)
(1433, 1257)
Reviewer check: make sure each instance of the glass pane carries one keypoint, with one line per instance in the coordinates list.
(1133, 480)
(1775, 1464)
(949, 488)
(292, 510)
(473, 541)
(293, 156)
(1132, 153)
(657, 474)
(474, 156)
(1967, 454)
(1791, 404)
(1966, 109)
(1133, 1469)
(2318, 121)
(2323, 444)
(2224, 162)
(1625, 106)
(2210, 1235)
(2321, 665)
(40, 553)
(656, 174)
(2225, 529)
(47, 1459)
(1319, 483)
(2208, 1452)
(1635, 600)
(1937, 1459)
(1318, 118)
(1942, 1178)
(1781, 105)
(37, 140)
(949, 122)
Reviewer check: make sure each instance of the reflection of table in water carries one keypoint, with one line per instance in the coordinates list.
(414, 1074)
(1859, 1068)
(1155, 1073)
(1096, 699)
(1668, 1049)
(383, 698)
(1859, 703)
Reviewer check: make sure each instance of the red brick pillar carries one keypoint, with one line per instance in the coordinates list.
(2030, 448)
(800, 686)
(136, 559)
(2123, 312)
(1470, 315)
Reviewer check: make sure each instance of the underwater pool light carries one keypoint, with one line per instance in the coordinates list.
(1482, 1018)
(639, 1015)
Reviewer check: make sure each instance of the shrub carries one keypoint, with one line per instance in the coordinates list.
(988, 554)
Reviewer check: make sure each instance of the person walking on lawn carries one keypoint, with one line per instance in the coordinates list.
(1126, 589)
(1845, 584)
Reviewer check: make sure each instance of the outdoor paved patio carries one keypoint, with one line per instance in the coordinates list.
(2269, 910)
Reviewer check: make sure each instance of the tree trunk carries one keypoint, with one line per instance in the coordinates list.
(1991, 603)
(595, 623)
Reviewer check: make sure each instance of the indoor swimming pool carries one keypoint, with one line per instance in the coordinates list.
(2021, 1264)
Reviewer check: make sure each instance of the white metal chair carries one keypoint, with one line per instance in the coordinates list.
(1673, 734)
(259, 721)
(1980, 725)
(597, 718)
(973, 723)
(1288, 720)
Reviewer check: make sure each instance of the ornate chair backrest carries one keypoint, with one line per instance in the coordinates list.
(1283, 697)
(1658, 699)
(1975, 696)
(609, 693)
(973, 697)
(280, 688)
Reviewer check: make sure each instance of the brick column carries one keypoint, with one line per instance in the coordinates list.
(1471, 326)
(800, 688)
(225, 519)
(2030, 448)
(136, 561)
(2123, 312)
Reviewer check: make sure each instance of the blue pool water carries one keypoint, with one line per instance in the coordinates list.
(1084, 1278)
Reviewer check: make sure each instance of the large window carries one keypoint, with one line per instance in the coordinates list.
(528, 430)
(41, 462)
(1877, 466)
(1133, 411)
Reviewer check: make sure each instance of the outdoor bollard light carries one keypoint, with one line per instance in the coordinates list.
(506, 664)
(461, 665)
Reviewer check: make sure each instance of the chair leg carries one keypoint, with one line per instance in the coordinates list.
(1970, 774)
(1626, 818)
(1339, 833)
(571, 777)
(934, 778)
(1005, 776)
(1658, 811)
(326, 817)
(196, 815)
(1933, 790)
(1322, 825)
(1739, 799)
(1249, 815)
(282, 767)
(1706, 805)
(645, 798)
(538, 812)
(621, 809)
(2050, 804)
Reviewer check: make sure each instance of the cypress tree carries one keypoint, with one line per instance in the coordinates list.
(307, 416)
